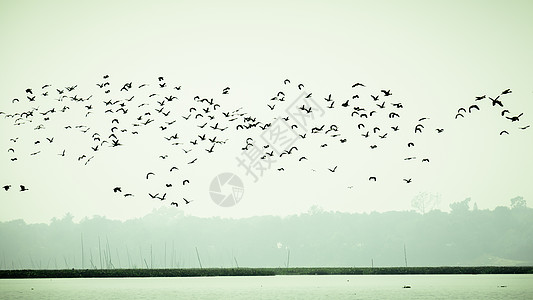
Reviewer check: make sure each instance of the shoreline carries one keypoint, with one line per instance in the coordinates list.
(210, 272)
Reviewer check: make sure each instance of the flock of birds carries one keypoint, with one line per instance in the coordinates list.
(190, 130)
(496, 103)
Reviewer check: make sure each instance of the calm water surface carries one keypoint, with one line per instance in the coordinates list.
(276, 287)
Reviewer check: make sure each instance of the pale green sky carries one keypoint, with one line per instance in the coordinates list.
(435, 56)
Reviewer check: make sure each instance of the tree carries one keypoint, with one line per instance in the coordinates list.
(518, 202)
(460, 206)
(425, 202)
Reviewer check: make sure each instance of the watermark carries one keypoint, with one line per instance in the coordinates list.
(280, 136)
(226, 189)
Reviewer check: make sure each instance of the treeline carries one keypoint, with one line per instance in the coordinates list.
(167, 239)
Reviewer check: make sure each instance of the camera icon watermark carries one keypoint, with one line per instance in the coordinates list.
(226, 189)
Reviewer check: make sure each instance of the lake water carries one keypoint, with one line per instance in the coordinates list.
(275, 287)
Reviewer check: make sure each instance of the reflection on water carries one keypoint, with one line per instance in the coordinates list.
(276, 287)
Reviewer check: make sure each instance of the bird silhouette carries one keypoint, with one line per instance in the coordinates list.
(372, 178)
(174, 203)
(515, 118)
(495, 101)
(504, 131)
(407, 180)
(6, 187)
(333, 170)
(473, 106)
(23, 188)
(117, 189)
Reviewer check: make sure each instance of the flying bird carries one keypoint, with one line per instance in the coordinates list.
(515, 118)
(473, 106)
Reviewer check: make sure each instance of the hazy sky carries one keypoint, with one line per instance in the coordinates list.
(434, 56)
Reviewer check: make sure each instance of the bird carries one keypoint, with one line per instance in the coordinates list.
(6, 187)
(117, 189)
(333, 170)
(187, 201)
(173, 168)
(495, 101)
(407, 180)
(357, 84)
(185, 181)
(148, 174)
(372, 178)
(515, 118)
(472, 107)
(345, 104)
(300, 86)
(418, 128)
(410, 144)
(174, 203)
(302, 158)
(504, 131)
(23, 188)
(507, 91)
(386, 92)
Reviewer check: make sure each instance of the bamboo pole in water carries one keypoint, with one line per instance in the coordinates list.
(100, 251)
(198, 255)
(82, 256)
(118, 257)
(405, 255)
(288, 257)
(128, 253)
